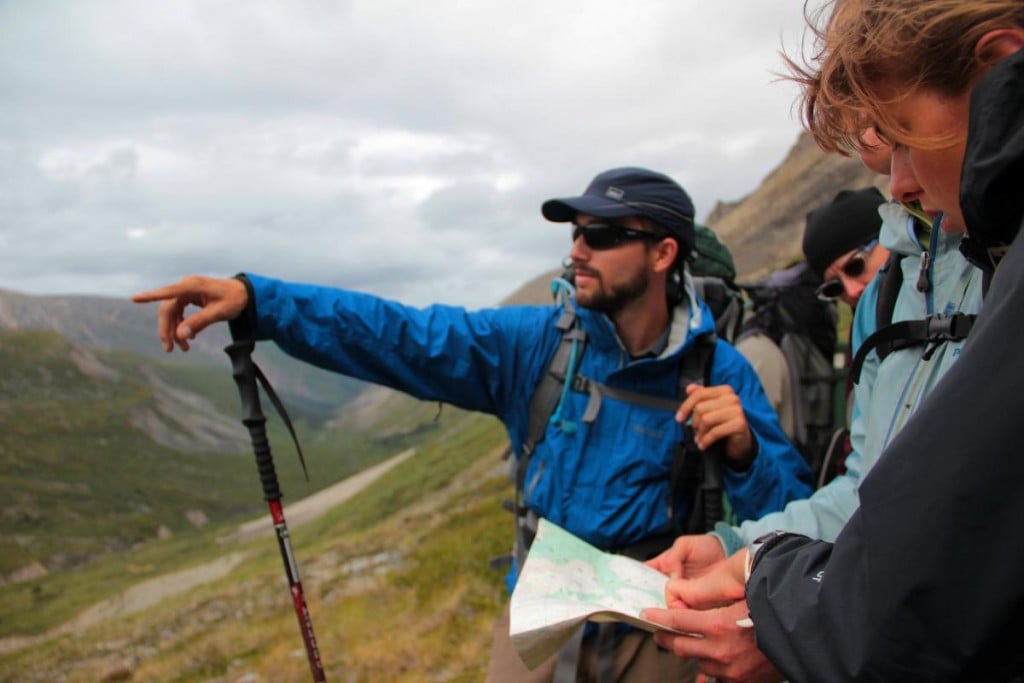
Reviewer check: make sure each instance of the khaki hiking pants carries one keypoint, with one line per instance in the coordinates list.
(637, 659)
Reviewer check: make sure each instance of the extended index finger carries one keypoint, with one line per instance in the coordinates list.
(160, 293)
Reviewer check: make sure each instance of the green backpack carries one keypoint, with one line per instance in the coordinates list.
(714, 274)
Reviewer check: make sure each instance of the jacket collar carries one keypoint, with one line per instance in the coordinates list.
(898, 233)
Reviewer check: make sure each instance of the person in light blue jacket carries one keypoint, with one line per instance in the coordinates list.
(606, 479)
(936, 280)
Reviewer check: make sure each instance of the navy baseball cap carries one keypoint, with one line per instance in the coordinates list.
(631, 191)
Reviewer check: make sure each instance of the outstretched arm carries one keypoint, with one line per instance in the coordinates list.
(220, 299)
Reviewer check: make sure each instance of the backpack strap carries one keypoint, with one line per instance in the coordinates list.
(889, 286)
(543, 410)
(695, 472)
(724, 300)
(932, 331)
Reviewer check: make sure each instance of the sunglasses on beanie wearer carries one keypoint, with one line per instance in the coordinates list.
(853, 267)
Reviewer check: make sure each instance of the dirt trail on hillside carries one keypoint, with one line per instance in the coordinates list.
(152, 591)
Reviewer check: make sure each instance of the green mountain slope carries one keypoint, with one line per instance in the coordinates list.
(397, 581)
(78, 457)
(101, 450)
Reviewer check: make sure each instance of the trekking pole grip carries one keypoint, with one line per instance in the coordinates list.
(244, 373)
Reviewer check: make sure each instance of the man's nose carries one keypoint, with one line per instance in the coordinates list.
(579, 251)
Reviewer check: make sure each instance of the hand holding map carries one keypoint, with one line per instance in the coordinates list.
(565, 582)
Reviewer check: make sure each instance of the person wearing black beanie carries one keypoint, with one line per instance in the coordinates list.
(840, 243)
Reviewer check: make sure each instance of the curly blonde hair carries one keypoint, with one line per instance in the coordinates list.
(865, 53)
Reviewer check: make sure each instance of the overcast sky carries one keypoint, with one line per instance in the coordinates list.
(401, 147)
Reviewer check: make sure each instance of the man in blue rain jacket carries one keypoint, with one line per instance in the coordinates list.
(603, 476)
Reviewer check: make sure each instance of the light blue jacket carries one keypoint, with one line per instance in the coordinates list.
(889, 392)
(606, 482)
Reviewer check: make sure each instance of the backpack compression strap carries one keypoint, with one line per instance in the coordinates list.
(932, 331)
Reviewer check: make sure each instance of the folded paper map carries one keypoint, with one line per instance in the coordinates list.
(565, 582)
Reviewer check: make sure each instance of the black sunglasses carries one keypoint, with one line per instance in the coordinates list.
(852, 267)
(609, 235)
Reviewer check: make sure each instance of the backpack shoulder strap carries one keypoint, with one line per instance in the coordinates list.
(932, 331)
(794, 349)
(695, 367)
(697, 473)
(549, 388)
(888, 291)
(542, 408)
(889, 336)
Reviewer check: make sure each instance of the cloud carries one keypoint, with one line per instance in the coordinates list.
(398, 147)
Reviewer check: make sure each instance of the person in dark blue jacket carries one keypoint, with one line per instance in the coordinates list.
(604, 478)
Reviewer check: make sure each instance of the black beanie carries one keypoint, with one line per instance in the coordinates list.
(850, 220)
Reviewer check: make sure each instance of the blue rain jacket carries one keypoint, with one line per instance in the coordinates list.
(606, 482)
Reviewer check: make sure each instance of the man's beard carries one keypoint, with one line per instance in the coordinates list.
(618, 298)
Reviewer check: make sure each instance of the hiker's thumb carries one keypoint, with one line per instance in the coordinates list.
(214, 312)
(222, 300)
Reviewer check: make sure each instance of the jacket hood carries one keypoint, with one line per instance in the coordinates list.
(990, 193)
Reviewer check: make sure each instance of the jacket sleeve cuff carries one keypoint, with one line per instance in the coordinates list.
(744, 467)
(244, 326)
(730, 539)
(760, 546)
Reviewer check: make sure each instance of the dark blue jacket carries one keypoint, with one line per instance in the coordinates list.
(926, 581)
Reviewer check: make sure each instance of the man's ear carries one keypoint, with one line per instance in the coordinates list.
(665, 255)
(997, 45)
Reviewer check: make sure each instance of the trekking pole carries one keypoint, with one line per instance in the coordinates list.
(246, 374)
(711, 486)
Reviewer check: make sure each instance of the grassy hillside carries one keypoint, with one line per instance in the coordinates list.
(104, 451)
(397, 580)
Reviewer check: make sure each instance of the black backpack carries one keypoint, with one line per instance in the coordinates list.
(785, 307)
